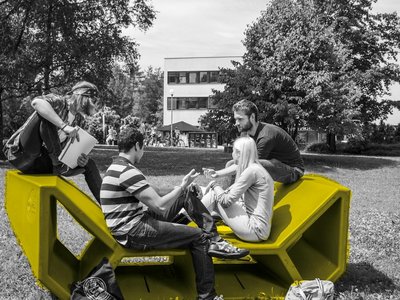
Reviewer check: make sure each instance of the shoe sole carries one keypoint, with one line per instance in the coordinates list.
(227, 255)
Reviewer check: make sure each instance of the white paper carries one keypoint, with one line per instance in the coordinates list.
(69, 155)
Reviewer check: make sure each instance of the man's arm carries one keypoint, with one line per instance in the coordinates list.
(44, 108)
(155, 202)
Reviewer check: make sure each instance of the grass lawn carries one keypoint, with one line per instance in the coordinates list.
(374, 267)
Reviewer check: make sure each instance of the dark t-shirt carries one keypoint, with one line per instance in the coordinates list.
(274, 142)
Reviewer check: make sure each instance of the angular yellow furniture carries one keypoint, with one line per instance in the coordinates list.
(309, 239)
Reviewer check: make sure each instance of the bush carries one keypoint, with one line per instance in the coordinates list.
(317, 148)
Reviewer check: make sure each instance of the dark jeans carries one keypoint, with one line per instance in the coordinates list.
(33, 158)
(279, 171)
(156, 231)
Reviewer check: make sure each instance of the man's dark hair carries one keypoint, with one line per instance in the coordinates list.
(247, 107)
(128, 138)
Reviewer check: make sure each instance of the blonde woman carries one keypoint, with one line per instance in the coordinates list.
(246, 206)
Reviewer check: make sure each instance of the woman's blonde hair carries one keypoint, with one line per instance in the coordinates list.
(248, 153)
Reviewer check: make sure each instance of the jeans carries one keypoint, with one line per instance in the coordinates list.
(156, 231)
(279, 171)
(33, 158)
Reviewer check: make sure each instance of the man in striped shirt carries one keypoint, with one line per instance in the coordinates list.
(139, 218)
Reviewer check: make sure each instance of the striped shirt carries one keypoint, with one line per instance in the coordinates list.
(122, 210)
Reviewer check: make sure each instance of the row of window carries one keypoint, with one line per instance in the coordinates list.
(190, 103)
(193, 77)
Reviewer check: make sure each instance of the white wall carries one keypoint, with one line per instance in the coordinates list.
(191, 116)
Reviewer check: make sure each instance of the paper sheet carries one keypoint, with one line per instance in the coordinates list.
(69, 155)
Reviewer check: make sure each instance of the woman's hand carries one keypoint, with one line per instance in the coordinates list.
(189, 178)
(210, 173)
(72, 132)
(83, 160)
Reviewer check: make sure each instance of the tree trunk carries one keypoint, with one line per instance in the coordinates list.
(331, 141)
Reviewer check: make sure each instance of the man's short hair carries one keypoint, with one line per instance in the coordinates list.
(128, 137)
(247, 107)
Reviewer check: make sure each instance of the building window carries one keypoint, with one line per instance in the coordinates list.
(188, 103)
(214, 76)
(203, 77)
(173, 77)
(193, 77)
(182, 77)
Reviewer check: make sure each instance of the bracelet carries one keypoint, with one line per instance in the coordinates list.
(65, 125)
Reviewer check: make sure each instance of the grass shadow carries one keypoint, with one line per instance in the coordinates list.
(323, 163)
(363, 276)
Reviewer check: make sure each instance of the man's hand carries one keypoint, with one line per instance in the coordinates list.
(83, 160)
(72, 132)
(210, 186)
(189, 178)
(210, 173)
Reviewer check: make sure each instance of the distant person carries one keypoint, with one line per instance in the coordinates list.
(277, 151)
(112, 136)
(125, 192)
(35, 147)
(246, 206)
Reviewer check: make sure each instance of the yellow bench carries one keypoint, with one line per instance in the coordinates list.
(308, 239)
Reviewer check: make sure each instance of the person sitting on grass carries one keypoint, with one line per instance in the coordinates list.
(124, 194)
(246, 206)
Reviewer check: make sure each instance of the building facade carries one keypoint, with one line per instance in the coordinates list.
(188, 85)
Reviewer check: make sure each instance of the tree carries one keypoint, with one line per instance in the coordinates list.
(148, 105)
(95, 123)
(48, 44)
(121, 90)
(323, 64)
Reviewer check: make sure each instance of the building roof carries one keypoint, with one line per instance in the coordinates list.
(181, 126)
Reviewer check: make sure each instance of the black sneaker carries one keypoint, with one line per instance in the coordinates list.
(223, 249)
(66, 171)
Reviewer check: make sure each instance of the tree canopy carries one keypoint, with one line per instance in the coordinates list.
(47, 44)
(322, 64)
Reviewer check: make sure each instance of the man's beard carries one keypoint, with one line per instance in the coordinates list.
(247, 127)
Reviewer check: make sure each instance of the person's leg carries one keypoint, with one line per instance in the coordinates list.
(156, 234)
(281, 172)
(93, 178)
(49, 135)
(236, 217)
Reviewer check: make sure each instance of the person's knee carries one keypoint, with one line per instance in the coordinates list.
(91, 165)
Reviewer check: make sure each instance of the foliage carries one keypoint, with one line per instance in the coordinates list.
(324, 64)
(95, 123)
(121, 88)
(221, 122)
(53, 44)
(149, 101)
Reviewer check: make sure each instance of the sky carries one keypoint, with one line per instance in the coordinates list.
(186, 28)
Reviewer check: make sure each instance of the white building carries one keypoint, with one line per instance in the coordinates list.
(189, 82)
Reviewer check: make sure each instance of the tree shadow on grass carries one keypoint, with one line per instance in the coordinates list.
(364, 277)
(324, 163)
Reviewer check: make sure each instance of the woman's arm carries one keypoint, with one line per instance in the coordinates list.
(236, 190)
(43, 108)
(211, 173)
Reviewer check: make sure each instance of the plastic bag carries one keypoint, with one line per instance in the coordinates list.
(100, 284)
(311, 290)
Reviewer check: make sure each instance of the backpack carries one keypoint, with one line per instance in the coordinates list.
(311, 290)
(100, 284)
